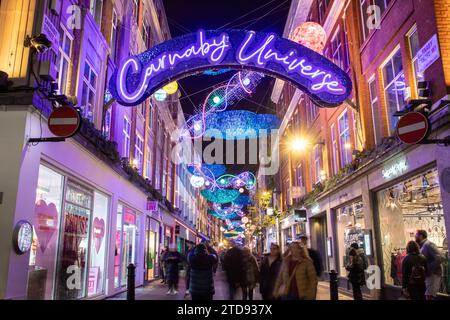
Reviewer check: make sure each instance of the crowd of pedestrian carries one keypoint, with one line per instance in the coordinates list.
(294, 274)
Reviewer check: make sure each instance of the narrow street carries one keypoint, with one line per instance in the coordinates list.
(157, 291)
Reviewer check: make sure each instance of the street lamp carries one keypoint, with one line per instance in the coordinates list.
(299, 144)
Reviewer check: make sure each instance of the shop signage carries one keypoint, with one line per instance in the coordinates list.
(329, 247)
(138, 77)
(395, 169)
(129, 217)
(315, 209)
(412, 128)
(300, 215)
(428, 54)
(93, 280)
(367, 241)
(64, 121)
(152, 206)
(22, 237)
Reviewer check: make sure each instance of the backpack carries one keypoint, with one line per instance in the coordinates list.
(417, 275)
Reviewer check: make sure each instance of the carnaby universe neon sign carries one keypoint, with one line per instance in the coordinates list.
(140, 76)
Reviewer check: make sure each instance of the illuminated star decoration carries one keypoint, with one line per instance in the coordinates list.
(220, 195)
(239, 124)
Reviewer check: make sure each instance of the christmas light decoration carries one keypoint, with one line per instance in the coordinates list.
(239, 124)
(160, 95)
(220, 195)
(242, 200)
(245, 179)
(311, 35)
(215, 169)
(197, 181)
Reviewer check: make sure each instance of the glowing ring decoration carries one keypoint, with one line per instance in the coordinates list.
(138, 77)
(245, 179)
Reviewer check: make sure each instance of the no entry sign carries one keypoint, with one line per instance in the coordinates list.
(412, 128)
(64, 121)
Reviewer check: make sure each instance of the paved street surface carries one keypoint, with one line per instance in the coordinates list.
(157, 291)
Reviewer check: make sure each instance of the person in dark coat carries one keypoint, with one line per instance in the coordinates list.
(414, 267)
(314, 255)
(232, 264)
(270, 268)
(356, 268)
(189, 248)
(251, 274)
(172, 260)
(162, 264)
(201, 282)
(211, 250)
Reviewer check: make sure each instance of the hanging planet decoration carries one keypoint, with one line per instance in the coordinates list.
(171, 88)
(220, 195)
(311, 35)
(197, 181)
(160, 95)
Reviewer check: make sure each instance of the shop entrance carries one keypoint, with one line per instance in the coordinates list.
(319, 236)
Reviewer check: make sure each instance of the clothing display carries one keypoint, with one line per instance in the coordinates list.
(396, 265)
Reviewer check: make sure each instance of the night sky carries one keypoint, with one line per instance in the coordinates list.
(185, 16)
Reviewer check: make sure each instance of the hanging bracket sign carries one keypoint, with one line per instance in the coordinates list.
(138, 77)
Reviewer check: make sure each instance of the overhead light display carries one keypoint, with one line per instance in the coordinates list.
(197, 181)
(242, 200)
(171, 88)
(245, 179)
(205, 168)
(220, 195)
(239, 124)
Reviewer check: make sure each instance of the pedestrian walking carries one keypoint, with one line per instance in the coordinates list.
(270, 268)
(162, 264)
(251, 274)
(356, 267)
(414, 273)
(201, 282)
(297, 279)
(172, 259)
(232, 264)
(313, 254)
(211, 250)
(189, 248)
(435, 259)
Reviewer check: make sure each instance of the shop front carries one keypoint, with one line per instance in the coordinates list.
(151, 257)
(70, 238)
(410, 203)
(126, 244)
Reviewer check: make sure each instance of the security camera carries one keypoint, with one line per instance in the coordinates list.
(40, 43)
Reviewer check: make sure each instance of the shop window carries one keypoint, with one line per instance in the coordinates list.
(47, 213)
(375, 107)
(65, 50)
(350, 229)
(71, 271)
(394, 87)
(99, 241)
(89, 91)
(404, 208)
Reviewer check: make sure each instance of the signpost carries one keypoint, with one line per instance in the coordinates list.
(413, 128)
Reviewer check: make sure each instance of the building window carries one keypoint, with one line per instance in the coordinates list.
(89, 90)
(394, 86)
(345, 146)
(107, 124)
(139, 152)
(126, 137)
(317, 158)
(146, 33)
(114, 34)
(414, 47)
(96, 10)
(148, 163)
(368, 20)
(299, 176)
(375, 107)
(334, 150)
(65, 50)
(150, 115)
(136, 9)
(346, 49)
(336, 49)
(312, 111)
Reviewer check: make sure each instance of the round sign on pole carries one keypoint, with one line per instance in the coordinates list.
(64, 121)
(412, 128)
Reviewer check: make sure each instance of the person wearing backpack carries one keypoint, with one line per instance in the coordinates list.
(356, 267)
(414, 267)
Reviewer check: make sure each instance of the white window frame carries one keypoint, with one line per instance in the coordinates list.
(317, 155)
(139, 151)
(90, 88)
(93, 5)
(386, 86)
(414, 58)
(148, 162)
(343, 150)
(64, 57)
(114, 29)
(337, 50)
(126, 130)
(374, 104)
(334, 149)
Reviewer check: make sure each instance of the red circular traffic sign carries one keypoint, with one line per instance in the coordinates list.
(64, 121)
(412, 128)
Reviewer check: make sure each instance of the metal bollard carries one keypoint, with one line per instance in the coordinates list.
(333, 285)
(130, 281)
